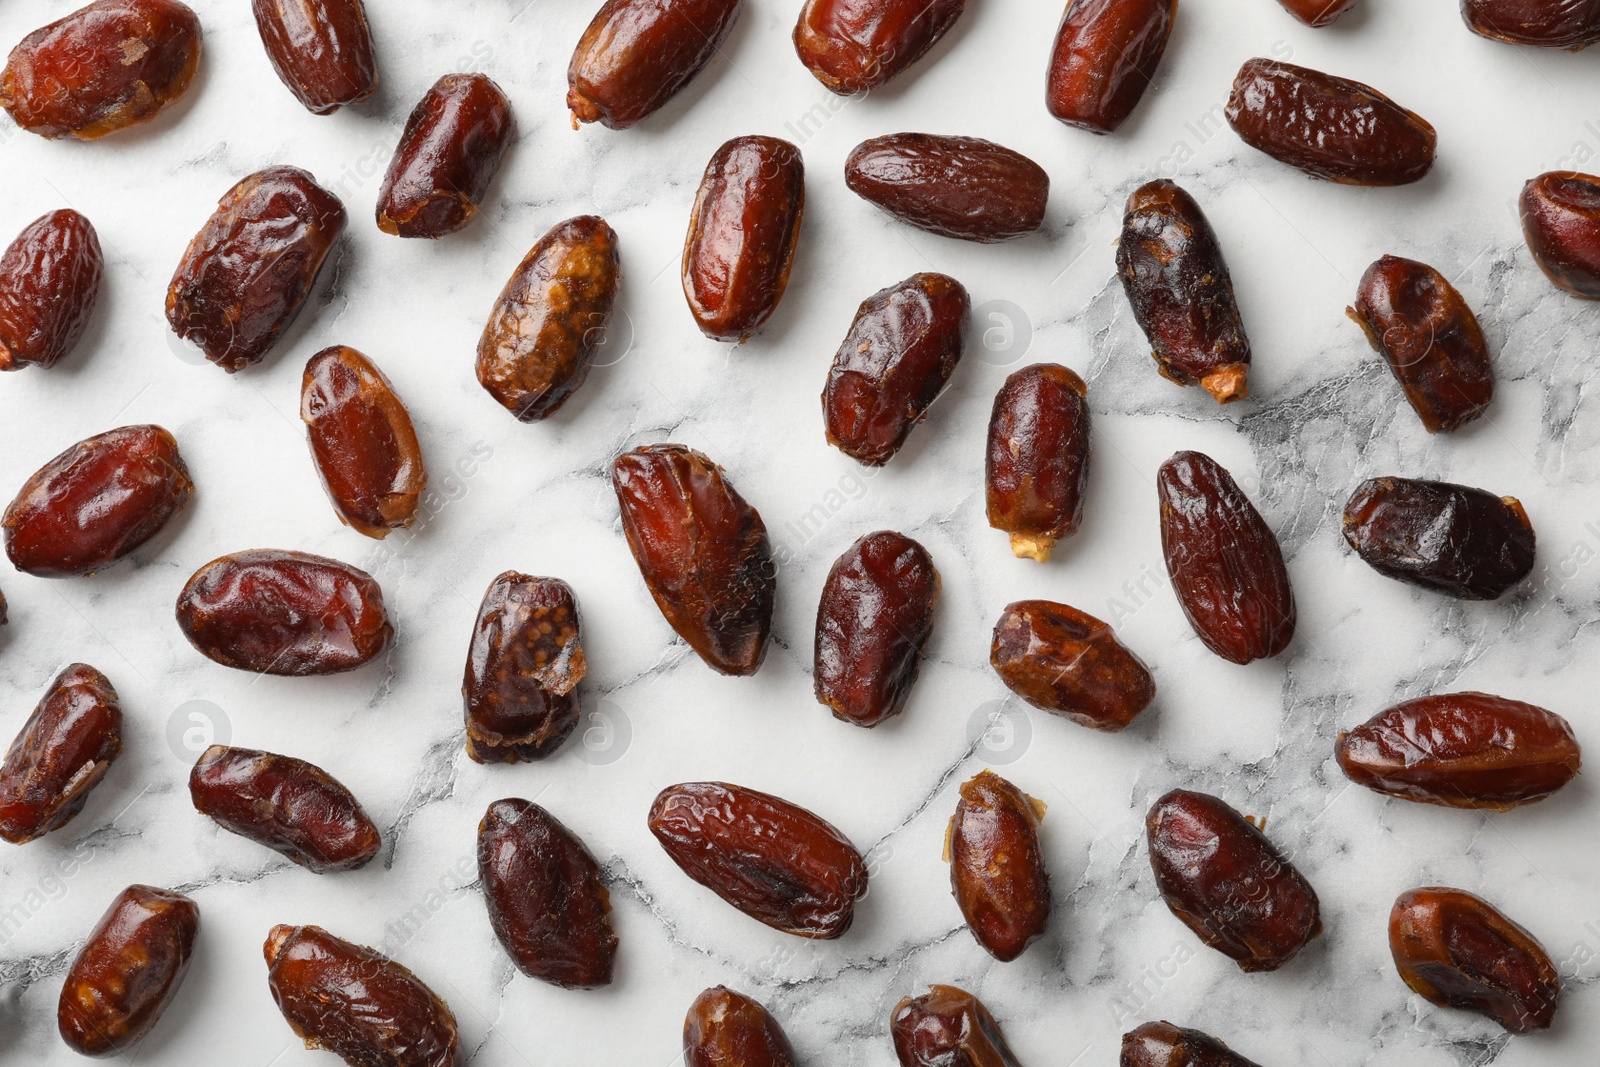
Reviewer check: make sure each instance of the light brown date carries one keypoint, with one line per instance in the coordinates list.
(962, 187)
(1069, 663)
(854, 46)
(62, 752)
(1105, 57)
(1165, 1045)
(1561, 223)
(1037, 465)
(49, 285)
(520, 691)
(997, 869)
(321, 49)
(728, 1029)
(948, 1027)
(1317, 12)
(1571, 24)
(446, 157)
(637, 54)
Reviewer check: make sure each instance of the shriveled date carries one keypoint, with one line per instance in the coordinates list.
(1571, 24)
(447, 156)
(853, 46)
(1071, 664)
(1161, 1044)
(1037, 464)
(63, 751)
(49, 285)
(728, 1029)
(997, 869)
(1105, 57)
(962, 187)
(948, 1027)
(1453, 539)
(321, 49)
(1561, 223)
(520, 691)
(637, 54)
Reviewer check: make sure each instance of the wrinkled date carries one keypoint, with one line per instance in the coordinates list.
(286, 804)
(103, 68)
(446, 158)
(547, 901)
(1561, 223)
(895, 361)
(1317, 12)
(771, 859)
(1224, 561)
(1417, 321)
(948, 1027)
(1462, 750)
(357, 1003)
(1037, 464)
(703, 553)
(1225, 881)
(1453, 539)
(128, 971)
(63, 751)
(728, 1029)
(872, 623)
(1105, 57)
(1458, 951)
(246, 274)
(96, 502)
(853, 46)
(997, 870)
(1165, 1045)
(49, 285)
(961, 187)
(280, 612)
(637, 54)
(520, 691)
(1570, 24)
(321, 49)
(1327, 126)
(1071, 664)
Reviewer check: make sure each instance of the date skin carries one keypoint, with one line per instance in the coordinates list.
(948, 1027)
(103, 68)
(1178, 285)
(447, 156)
(280, 612)
(897, 358)
(62, 752)
(637, 54)
(1037, 465)
(1317, 12)
(1161, 1044)
(1416, 320)
(854, 46)
(728, 1029)
(1105, 57)
(1452, 539)
(1570, 24)
(1458, 951)
(547, 900)
(128, 971)
(703, 553)
(357, 1003)
(1069, 663)
(997, 869)
(1329, 127)
(96, 502)
(520, 691)
(321, 49)
(247, 273)
(49, 285)
(773, 860)
(1225, 881)
(1561, 223)
(962, 187)
(873, 620)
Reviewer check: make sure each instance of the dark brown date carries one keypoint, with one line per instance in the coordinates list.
(1430, 339)
(728, 1029)
(853, 46)
(1105, 57)
(547, 901)
(1561, 223)
(2, 609)
(357, 1003)
(1453, 539)
(897, 358)
(362, 442)
(961, 187)
(872, 623)
(948, 1027)
(1069, 663)
(247, 273)
(637, 54)
(286, 804)
(773, 860)
(96, 502)
(1571, 24)
(1462, 750)
(997, 870)
(49, 285)
(321, 49)
(103, 68)
(1165, 1045)
(1329, 127)
(1458, 951)
(1224, 561)
(703, 553)
(128, 971)
(1225, 881)
(520, 691)
(1037, 465)
(1317, 12)
(742, 236)
(62, 752)
(281, 612)
(446, 157)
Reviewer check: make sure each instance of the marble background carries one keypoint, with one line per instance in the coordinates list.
(1323, 415)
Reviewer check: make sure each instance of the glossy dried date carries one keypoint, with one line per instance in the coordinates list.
(520, 690)
(61, 753)
(997, 869)
(773, 860)
(637, 54)
(1165, 1045)
(1071, 664)
(1561, 223)
(321, 49)
(948, 1027)
(1317, 12)
(49, 285)
(446, 157)
(962, 187)
(728, 1029)
(1571, 24)
(1105, 57)
(853, 46)
(1453, 539)
(1037, 465)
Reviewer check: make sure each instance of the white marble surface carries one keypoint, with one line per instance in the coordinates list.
(1323, 415)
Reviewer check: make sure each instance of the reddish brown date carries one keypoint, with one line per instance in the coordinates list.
(446, 158)
(96, 502)
(3, 619)
(1225, 881)
(49, 285)
(897, 358)
(872, 623)
(1452, 539)
(742, 236)
(1571, 24)
(103, 68)
(637, 54)
(1430, 339)
(1561, 223)
(281, 612)
(853, 46)
(773, 860)
(948, 1027)
(247, 273)
(1462, 750)
(547, 901)
(520, 691)
(728, 1029)
(1071, 664)
(1328, 127)
(1178, 285)
(321, 49)
(1458, 951)
(357, 1003)
(961, 187)
(286, 804)
(1105, 57)
(62, 752)
(1165, 1045)
(703, 553)
(1317, 12)
(1037, 465)
(128, 971)
(550, 320)
(997, 870)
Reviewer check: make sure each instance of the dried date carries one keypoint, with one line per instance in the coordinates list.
(948, 1027)
(1105, 57)
(1571, 24)
(1561, 223)
(520, 691)
(1037, 465)
(1069, 663)
(997, 869)
(854, 46)
(62, 752)
(728, 1029)
(1452, 539)
(1165, 1045)
(49, 285)
(321, 49)
(962, 187)
(637, 54)
(1317, 12)
(446, 157)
